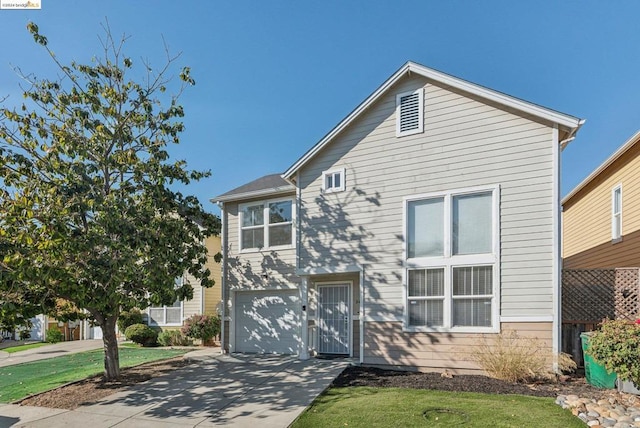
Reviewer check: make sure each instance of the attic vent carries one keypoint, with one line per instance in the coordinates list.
(409, 113)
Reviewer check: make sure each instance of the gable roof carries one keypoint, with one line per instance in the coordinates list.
(569, 123)
(635, 138)
(267, 185)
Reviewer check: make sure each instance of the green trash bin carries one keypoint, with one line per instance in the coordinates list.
(595, 372)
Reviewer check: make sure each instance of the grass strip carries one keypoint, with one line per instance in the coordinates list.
(21, 380)
(387, 407)
(24, 347)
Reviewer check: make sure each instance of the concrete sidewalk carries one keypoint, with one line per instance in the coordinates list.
(49, 351)
(215, 391)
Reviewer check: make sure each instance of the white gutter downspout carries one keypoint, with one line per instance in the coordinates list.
(557, 255)
(362, 314)
(223, 276)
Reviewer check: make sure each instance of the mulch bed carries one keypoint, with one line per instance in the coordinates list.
(376, 377)
(95, 388)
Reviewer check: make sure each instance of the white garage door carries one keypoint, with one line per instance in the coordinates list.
(267, 322)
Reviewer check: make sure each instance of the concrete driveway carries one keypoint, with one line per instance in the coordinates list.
(215, 391)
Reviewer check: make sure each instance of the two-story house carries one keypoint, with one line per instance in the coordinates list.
(426, 219)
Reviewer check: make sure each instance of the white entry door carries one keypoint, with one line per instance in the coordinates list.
(334, 319)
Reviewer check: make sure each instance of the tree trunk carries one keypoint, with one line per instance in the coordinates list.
(111, 356)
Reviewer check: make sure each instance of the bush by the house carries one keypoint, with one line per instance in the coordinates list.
(173, 338)
(617, 346)
(54, 336)
(127, 318)
(513, 358)
(203, 327)
(141, 334)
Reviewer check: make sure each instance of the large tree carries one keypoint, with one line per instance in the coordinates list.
(89, 210)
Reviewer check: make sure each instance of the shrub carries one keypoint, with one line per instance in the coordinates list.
(54, 336)
(518, 359)
(203, 327)
(127, 318)
(617, 346)
(25, 334)
(173, 338)
(141, 334)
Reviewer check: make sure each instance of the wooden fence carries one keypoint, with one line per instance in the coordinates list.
(591, 295)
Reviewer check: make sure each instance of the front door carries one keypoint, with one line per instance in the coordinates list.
(334, 319)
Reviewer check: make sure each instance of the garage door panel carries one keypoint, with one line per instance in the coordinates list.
(267, 322)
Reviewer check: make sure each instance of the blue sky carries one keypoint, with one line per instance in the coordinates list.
(274, 76)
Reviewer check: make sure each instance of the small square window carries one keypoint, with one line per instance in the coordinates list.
(333, 181)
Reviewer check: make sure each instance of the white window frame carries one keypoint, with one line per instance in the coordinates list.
(616, 217)
(420, 128)
(265, 207)
(449, 261)
(333, 173)
(164, 313)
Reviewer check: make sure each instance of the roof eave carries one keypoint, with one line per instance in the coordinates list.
(254, 194)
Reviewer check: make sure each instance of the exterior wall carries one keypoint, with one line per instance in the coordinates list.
(587, 218)
(466, 143)
(387, 345)
(264, 269)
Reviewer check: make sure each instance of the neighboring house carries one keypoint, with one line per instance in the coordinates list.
(425, 220)
(601, 216)
(205, 300)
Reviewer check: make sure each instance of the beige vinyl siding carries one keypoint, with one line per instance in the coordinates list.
(264, 269)
(387, 344)
(465, 144)
(587, 218)
(213, 295)
(193, 306)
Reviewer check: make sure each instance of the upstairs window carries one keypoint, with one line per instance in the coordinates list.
(266, 224)
(409, 113)
(616, 213)
(333, 181)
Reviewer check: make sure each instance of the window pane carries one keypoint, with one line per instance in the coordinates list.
(426, 228)
(253, 238)
(426, 312)
(472, 224)
(253, 215)
(435, 282)
(417, 282)
(173, 315)
(617, 203)
(280, 212)
(280, 235)
(328, 182)
(336, 180)
(472, 312)
(156, 315)
(472, 281)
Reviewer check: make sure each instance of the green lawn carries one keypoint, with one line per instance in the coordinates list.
(21, 380)
(394, 407)
(24, 347)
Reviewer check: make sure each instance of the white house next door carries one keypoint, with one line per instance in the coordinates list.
(334, 319)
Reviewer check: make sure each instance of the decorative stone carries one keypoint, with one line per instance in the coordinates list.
(608, 422)
(594, 414)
